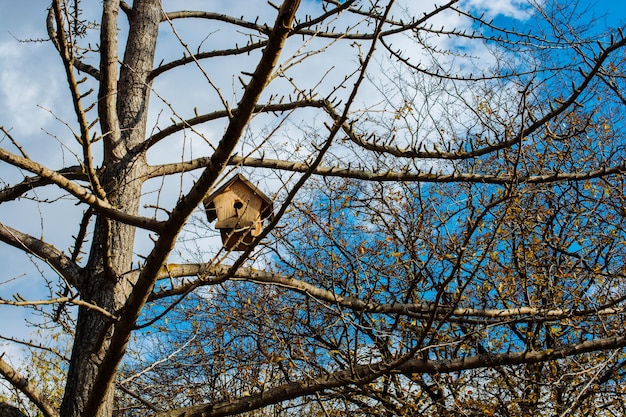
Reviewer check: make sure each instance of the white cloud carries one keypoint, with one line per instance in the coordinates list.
(516, 9)
(25, 84)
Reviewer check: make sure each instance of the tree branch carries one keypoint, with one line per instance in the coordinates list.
(59, 300)
(564, 104)
(419, 176)
(221, 114)
(107, 93)
(67, 55)
(362, 374)
(62, 264)
(27, 387)
(251, 46)
(83, 194)
(205, 55)
(391, 176)
(54, 37)
(204, 272)
(30, 183)
(201, 14)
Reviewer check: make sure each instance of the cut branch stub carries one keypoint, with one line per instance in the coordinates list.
(240, 209)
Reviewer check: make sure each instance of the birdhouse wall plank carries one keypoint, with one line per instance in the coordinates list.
(238, 241)
(239, 208)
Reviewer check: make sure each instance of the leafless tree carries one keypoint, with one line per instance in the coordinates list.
(448, 194)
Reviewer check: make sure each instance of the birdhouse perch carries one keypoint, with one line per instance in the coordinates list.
(240, 209)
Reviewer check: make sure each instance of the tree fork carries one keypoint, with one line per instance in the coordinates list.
(123, 114)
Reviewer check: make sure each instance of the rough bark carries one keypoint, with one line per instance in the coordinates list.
(123, 113)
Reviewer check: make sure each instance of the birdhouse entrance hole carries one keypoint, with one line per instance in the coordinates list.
(240, 209)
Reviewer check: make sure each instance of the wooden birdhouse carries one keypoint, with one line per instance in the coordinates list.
(240, 209)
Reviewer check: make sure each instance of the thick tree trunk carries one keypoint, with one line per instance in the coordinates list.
(106, 285)
(123, 112)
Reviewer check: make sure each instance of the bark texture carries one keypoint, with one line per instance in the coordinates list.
(106, 281)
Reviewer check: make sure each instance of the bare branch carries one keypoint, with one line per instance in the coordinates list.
(367, 175)
(205, 55)
(62, 264)
(107, 95)
(79, 192)
(54, 37)
(59, 300)
(363, 374)
(208, 274)
(67, 55)
(30, 183)
(27, 387)
(196, 14)
(259, 108)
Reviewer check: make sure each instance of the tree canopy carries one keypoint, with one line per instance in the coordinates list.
(443, 226)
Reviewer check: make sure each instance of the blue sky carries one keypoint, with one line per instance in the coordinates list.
(615, 11)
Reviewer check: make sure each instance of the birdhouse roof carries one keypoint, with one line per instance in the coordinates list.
(267, 206)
